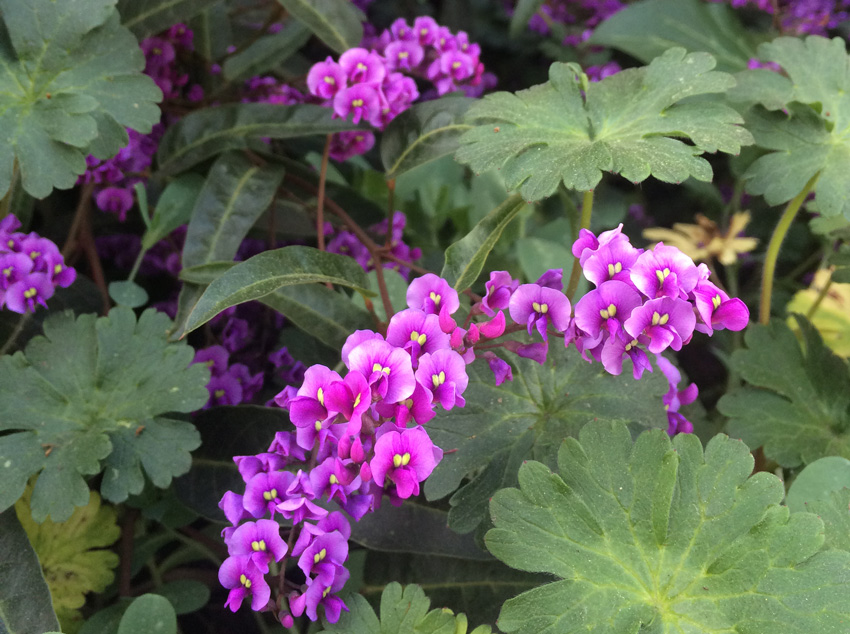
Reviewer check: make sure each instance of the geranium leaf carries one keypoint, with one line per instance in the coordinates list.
(149, 17)
(149, 613)
(423, 133)
(834, 509)
(210, 131)
(25, 603)
(817, 481)
(73, 554)
(812, 137)
(266, 272)
(465, 258)
(625, 124)
(796, 403)
(659, 535)
(403, 610)
(338, 23)
(70, 82)
(647, 28)
(89, 387)
(528, 418)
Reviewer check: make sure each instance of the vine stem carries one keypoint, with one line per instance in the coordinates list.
(19, 327)
(584, 223)
(320, 195)
(775, 244)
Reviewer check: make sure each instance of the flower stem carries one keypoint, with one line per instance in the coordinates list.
(584, 223)
(6, 203)
(775, 244)
(320, 195)
(22, 322)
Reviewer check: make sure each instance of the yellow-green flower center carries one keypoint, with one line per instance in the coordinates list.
(268, 496)
(611, 311)
(540, 308)
(658, 319)
(245, 581)
(420, 338)
(438, 379)
(401, 460)
(258, 546)
(613, 269)
(319, 556)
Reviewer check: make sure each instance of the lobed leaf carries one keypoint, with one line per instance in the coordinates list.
(796, 403)
(25, 603)
(660, 535)
(149, 613)
(501, 427)
(338, 23)
(629, 124)
(90, 396)
(817, 481)
(71, 81)
(812, 137)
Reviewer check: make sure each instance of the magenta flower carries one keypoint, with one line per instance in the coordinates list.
(14, 267)
(418, 407)
(309, 405)
(243, 579)
(320, 591)
(60, 274)
(417, 332)
(717, 311)
(499, 289)
(611, 261)
(500, 368)
(431, 294)
(425, 29)
(612, 355)
(405, 458)
(351, 397)
(260, 541)
(21, 297)
(387, 368)
(344, 145)
(538, 306)
(361, 100)
(117, 200)
(605, 309)
(400, 30)
(666, 321)
(355, 339)
(664, 272)
(443, 373)
(325, 554)
(362, 66)
(402, 54)
(587, 243)
(326, 79)
(553, 278)
(675, 398)
(265, 491)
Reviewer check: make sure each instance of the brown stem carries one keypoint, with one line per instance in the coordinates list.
(390, 204)
(82, 207)
(128, 529)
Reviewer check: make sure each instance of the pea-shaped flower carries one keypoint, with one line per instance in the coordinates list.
(405, 458)
(538, 306)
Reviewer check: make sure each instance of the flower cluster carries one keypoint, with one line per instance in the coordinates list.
(364, 437)
(115, 178)
(376, 84)
(346, 243)
(580, 17)
(802, 17)
(31, 267)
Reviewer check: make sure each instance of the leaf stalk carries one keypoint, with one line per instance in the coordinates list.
(584, 223)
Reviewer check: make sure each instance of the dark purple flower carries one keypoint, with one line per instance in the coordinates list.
(344, 145)
(404, 457)
(538, 306)
(501, 369)
(666, 321)
(499, 289)
(553, 278)
(117, 200)
(243, 578)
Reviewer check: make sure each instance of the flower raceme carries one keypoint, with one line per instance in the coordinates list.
(364, 430)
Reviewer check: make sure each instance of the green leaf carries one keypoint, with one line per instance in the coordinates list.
(128, 294)
(403, 610)
(812, 138)
(629, 124)
(266, 272)
(648, 28)
(523, 12)
(205, 274)
(833, 510)
(396, 289)
(185, 595)
(73, 554)
(89, 396)
(149, 613)
(661, 536)
(210, 131)
(338, 23)
(25, 603)
(465, 258)
(423, 133)
(267, 53)
(796, 403)
(817, 481)
(226, 431)
(536, 255)
(528, 417)
(174, 208)
(326, 314)
(148, 17)
(70, 82)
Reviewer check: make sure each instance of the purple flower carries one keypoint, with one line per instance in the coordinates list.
(344, 145)
(664, 272)
(538, 306)
(232, 507)
(21, 297)
(117, 200)
(417, 332)
(417, 407)
(14, 267)
(499, 289)
(326, 79)
(214, 357)
(587, 243)
(666, 321)
(611, 261)
(387, 368)
(243, 578)
(260, 541)
(612, 355)
(320, 591)
(362, 66)
(351, 397)
(60, 274)
(675, 398)
(717, 311)
(553, 278)
(225, 389)
(265, 491)
(605, 309)
(500, 368)
(355, 339)
(431, 294)
(406, 55)
(425, 30)
(443, 373)
(334, 521)
(325, 554)
(405, 458)
(361, 100)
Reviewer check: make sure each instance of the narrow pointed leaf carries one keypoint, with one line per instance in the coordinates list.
(338, 23)
(733, 560)
(424, 133)
(210, 131)
(797, 401)
(70, 81)
(268, 271)
(647, 28)
(465, 258)
(148, 17)
(174, 208)
(629, 124)
(267, 53)
(25, 603)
